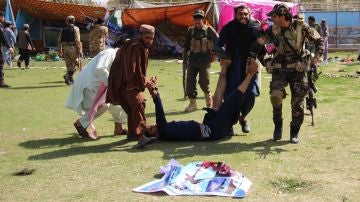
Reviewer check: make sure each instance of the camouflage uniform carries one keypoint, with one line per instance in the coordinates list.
(97, 38)
(288, 68)
(310, 44)
(69, 43)
(200, 43)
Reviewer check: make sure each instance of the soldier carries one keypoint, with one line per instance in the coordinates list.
(97, 38)
(199, 46)
(324, 33)
(288, 65)
(70, 48)
(314, 25)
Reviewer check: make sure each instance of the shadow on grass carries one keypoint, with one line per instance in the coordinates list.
(178, 150)
(170, 150)
(35, 87)
(54, 142)
(77, 150)
(49, 82)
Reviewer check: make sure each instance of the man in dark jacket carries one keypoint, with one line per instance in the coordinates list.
(235, 40)
(25, 46)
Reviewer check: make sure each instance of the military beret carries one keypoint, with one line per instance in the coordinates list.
(145, 29)
(279, 9)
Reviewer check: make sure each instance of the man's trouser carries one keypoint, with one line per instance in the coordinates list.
(133, 103)
(281, 77)
(115, 110)
(2, 62)
(198, 64)
(71, 56)
(226, 116)
(24, 55)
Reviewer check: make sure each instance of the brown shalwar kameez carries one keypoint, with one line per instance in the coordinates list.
(127, 83)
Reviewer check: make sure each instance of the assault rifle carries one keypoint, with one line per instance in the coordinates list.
(311, 103)
(184, 72)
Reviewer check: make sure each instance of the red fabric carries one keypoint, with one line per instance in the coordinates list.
(181, 15)
(47, 10)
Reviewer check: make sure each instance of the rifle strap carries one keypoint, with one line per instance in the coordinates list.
(290, 46)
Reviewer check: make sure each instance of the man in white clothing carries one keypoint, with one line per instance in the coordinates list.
(87, 95)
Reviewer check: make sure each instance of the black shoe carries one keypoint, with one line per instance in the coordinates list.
(18, 63)
(245, 127)
(231, 132)
(81, 130)
(278, 130)
(144, 141)
(67, 80)
(131, 137)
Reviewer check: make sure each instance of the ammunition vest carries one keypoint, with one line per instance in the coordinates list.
(68, 34)
(200, 43)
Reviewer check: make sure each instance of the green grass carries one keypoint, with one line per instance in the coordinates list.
(36, 132)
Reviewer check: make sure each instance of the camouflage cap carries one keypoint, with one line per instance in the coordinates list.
(199, 13)
(279, 9)
(26, 26)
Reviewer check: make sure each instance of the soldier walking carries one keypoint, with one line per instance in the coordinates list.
(288, 65)
(199, 47)
(70, 48)
(97, 37)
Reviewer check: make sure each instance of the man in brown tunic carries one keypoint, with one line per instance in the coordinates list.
(127, 81)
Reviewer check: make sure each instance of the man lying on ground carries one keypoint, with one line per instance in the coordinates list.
(216, 124)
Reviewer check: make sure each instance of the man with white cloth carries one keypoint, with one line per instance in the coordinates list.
(87, 95)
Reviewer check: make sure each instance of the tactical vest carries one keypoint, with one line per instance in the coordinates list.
(68, 34)
(296, 38)
(200, 44)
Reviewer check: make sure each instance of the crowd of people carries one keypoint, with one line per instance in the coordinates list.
(116, 78)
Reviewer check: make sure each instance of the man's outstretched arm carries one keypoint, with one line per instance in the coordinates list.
(251, 71)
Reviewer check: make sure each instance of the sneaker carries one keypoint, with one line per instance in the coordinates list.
(18, 63)
(144, 141)
(66, 78)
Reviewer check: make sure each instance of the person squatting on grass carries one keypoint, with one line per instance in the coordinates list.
(87, 95)
(216, 124)
(127, 82)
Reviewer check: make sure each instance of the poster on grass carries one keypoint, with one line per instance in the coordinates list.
(199, 178)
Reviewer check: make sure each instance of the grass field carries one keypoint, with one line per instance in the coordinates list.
(36, 132)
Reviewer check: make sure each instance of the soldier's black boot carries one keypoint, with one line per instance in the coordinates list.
(71, 79)
(294, 134)
(278, 130)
